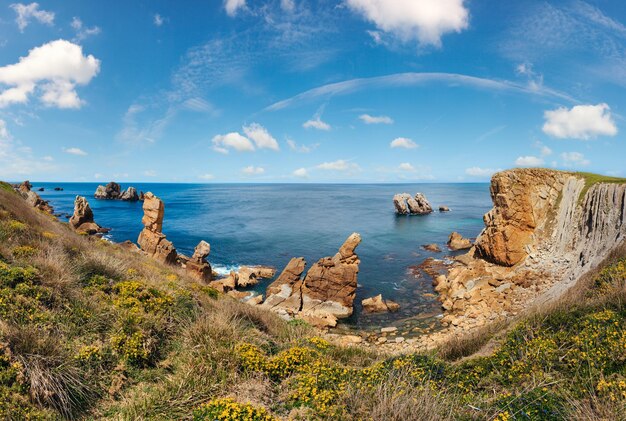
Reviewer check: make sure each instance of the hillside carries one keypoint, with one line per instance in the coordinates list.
(90, 330)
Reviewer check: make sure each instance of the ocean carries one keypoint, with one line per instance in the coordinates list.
(268, 224)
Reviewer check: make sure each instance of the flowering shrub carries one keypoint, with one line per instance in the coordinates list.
(227, 409)
(14, 403)
(23, 252)
(613, 388)
(136, 297)
(134, 347)
(89, 353)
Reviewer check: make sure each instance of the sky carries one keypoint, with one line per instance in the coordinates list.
(290, 91)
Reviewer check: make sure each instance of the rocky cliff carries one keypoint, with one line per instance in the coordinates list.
(547, 228)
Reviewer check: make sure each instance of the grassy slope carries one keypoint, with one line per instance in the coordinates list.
(592, 179)
(89, 330)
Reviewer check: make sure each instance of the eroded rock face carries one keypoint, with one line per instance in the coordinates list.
(82, 220)
(327, 291)
(405, 204)
(457, 242)
(198, 266)
(151, 239)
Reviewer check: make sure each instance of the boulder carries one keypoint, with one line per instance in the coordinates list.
(151, 239)
(405, 204)
(251, 275)
(432, 247)
(130, 195)
(197, 266)
(444, 208)
(378, 305)
(457, 242)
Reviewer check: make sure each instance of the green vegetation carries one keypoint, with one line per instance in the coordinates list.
(91, 331)
(592, 179)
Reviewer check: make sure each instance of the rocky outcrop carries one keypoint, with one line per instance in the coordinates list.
(130, 195)
(405, 204)
(434, 248)
(325, 294)
(378, 305)
(444, 208)
(82, 220)
(113, 191)
(251, 275)
(151, 239)
(546, 230)
(197, 266)
(457, 242)
(32, 198)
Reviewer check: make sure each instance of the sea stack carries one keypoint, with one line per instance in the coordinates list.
(151, 239)
(406, 204)
(197, 266)
(82, 219)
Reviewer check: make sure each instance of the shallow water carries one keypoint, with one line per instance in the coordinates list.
(270, 223)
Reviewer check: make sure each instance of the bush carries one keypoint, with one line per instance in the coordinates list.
(227, 409)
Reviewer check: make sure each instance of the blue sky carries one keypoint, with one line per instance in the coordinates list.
(309, 91)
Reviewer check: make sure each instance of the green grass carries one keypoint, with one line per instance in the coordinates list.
(592, 179)
(6, 186)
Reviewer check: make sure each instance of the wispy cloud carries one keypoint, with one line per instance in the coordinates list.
(370, 119)
(75, 151)
(83, 32)
(415, 79)
(27, 12)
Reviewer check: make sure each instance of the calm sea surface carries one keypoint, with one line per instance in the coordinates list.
(270, 223)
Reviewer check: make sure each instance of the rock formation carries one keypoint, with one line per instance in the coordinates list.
(82, 219)
(32, 198)
(151, 239)
(457, 242)
(130, 195)
(405, 204)
(378, 305)
(197, 266)
(432, 248)
(444, 208)
(546, 230)
(325, 294)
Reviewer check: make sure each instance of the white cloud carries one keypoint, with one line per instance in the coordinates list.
(287, 5)
(339, 165)
(158, 20)
(369, 119)
(206, 176)
(301, 172)
(232, 6)
(423, 20)
(481, 172)
(261, 137)
(48, 158)
(301, 148)
(150, 173)
(54, 69)
(252, 170)
(83, 32)
(27, 11)
(75, 151)
(580, 122)
(403, 142)
(545, 151)
(316, 123)
(4, 132)
(233, 141)
(405, 166)
(574, 159)
(529, 161)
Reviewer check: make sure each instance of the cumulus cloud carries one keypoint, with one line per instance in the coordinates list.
(252, 170)
(369, 119)
(261, 137)
(232, 6)
(403, 142)
(26, 12)
(301, 172)
(75, 151)
(339, 165)
(481, 172)
(158, 20)
(580, 122)
(316, 123)
(53, 70)
(425, 21)
(234, 141)
(574, 159)
(529, 161)
(82, 31)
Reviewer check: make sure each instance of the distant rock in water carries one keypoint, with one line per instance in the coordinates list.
(457, 242)
(82, 219)
(130, 195)
(406, 204)
(432, 247)
(151, 239)
(325, 294)
(58, 189)
(40, 189)
(444, 208)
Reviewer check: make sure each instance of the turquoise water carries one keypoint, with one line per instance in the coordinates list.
(268, 224)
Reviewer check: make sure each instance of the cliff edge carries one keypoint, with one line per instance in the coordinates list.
(546, 230)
